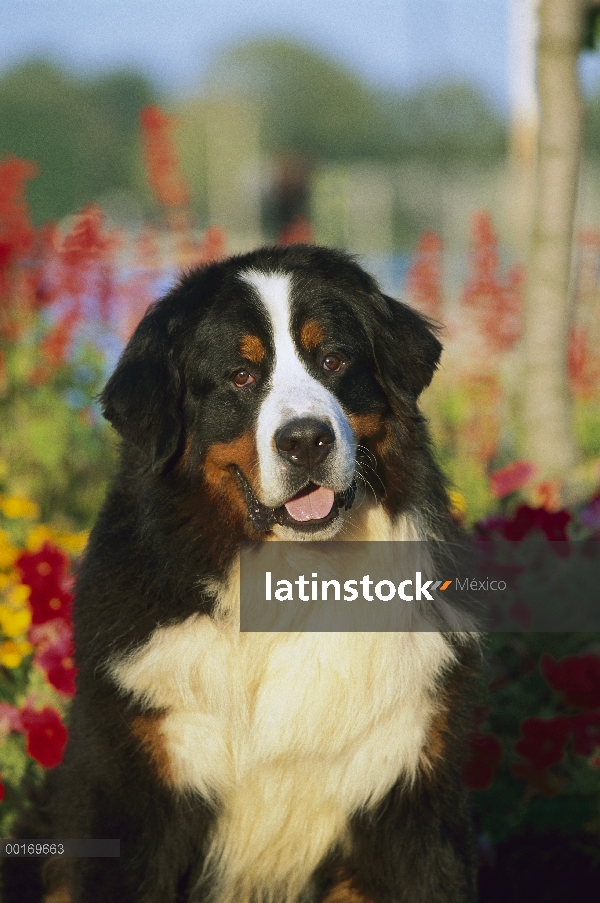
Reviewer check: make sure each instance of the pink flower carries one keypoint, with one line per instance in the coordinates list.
(55, 658)
(511, 478)
(10, 718)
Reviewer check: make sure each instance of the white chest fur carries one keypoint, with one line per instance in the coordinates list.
(287, 734)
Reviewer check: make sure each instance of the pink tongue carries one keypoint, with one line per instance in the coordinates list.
(314, 505)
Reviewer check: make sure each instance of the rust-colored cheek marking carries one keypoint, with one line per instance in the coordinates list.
(146, 730)
(221, 458)
(252, 348)
(368, 426)
(311, 335)
(345, 892)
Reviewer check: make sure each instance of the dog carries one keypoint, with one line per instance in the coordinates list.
(271, 396)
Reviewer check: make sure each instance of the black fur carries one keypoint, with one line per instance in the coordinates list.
(163, 526)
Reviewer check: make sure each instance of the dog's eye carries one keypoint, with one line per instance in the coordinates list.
(243, 378)
(332, 363)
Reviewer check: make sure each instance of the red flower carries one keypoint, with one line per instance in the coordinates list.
(297, 232)
(10, 719)
(577, 677)
(424, 277)
(511, 478)
(496, 302)
(543, 740)
(55, 658)
(586, 732)
(162, 166)
(526, 519)
(484, 756)
(46, 735)
(46, 573)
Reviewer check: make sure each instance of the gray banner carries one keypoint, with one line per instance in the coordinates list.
(10, 848)
(493, 586)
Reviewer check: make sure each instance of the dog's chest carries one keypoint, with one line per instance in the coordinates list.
(287, 734)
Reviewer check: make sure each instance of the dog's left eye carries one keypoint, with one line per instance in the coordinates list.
(332, 363)
(243, 378)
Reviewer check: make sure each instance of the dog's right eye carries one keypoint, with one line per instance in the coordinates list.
(243, 378)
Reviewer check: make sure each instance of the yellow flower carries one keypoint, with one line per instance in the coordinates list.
(70, 542)
(17, 595)
(11, 653)
(73, 542)
(16, 506)
(8, 552)
(458, 503)
(14, 622)
(38, 535)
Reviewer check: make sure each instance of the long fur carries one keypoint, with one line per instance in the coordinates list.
(261, 767)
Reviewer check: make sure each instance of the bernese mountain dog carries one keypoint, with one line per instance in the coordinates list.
(271, 396)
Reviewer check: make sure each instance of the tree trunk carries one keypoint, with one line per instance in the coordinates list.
(547, 422)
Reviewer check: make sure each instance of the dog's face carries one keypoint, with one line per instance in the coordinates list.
(269, 378)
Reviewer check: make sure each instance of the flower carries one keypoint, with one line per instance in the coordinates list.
(8, 552)
(484, 756)
(11, 653)
(46, 735)
(424, 277)
(458, 503)
(586, 732)
(14, 622)
(10, 719)
(577, 677)
(590, 515)
(526, 519)
(46, 573)
(18, 506)
(543, 740)
(55, 658)
(511, 478)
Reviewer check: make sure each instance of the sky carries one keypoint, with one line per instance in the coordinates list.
(391, 43)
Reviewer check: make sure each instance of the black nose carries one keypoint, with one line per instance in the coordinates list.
(305, 442)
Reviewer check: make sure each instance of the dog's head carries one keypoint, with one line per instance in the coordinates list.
(278, 380)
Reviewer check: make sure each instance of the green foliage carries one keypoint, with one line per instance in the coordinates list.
(318, 107)
(82, 134)
(54, 443)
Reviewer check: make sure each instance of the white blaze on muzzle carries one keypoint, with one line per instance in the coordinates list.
(293, 394)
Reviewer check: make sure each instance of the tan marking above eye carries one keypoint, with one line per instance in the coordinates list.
(311, 335)
(252, 348)
(366, 425)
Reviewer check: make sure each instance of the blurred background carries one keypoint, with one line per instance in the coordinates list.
(444, 145)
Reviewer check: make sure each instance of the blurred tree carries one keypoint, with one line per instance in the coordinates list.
(83, 134)
(548, 433)
(315, 107)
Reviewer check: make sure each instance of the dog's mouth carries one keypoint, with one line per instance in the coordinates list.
(311, 508)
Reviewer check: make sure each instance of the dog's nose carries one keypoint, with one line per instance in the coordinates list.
(305, 442)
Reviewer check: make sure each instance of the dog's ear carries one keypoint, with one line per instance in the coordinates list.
(142, 397)
(407, 349)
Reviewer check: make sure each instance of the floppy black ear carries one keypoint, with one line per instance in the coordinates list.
(141, 398)
(407, 348)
